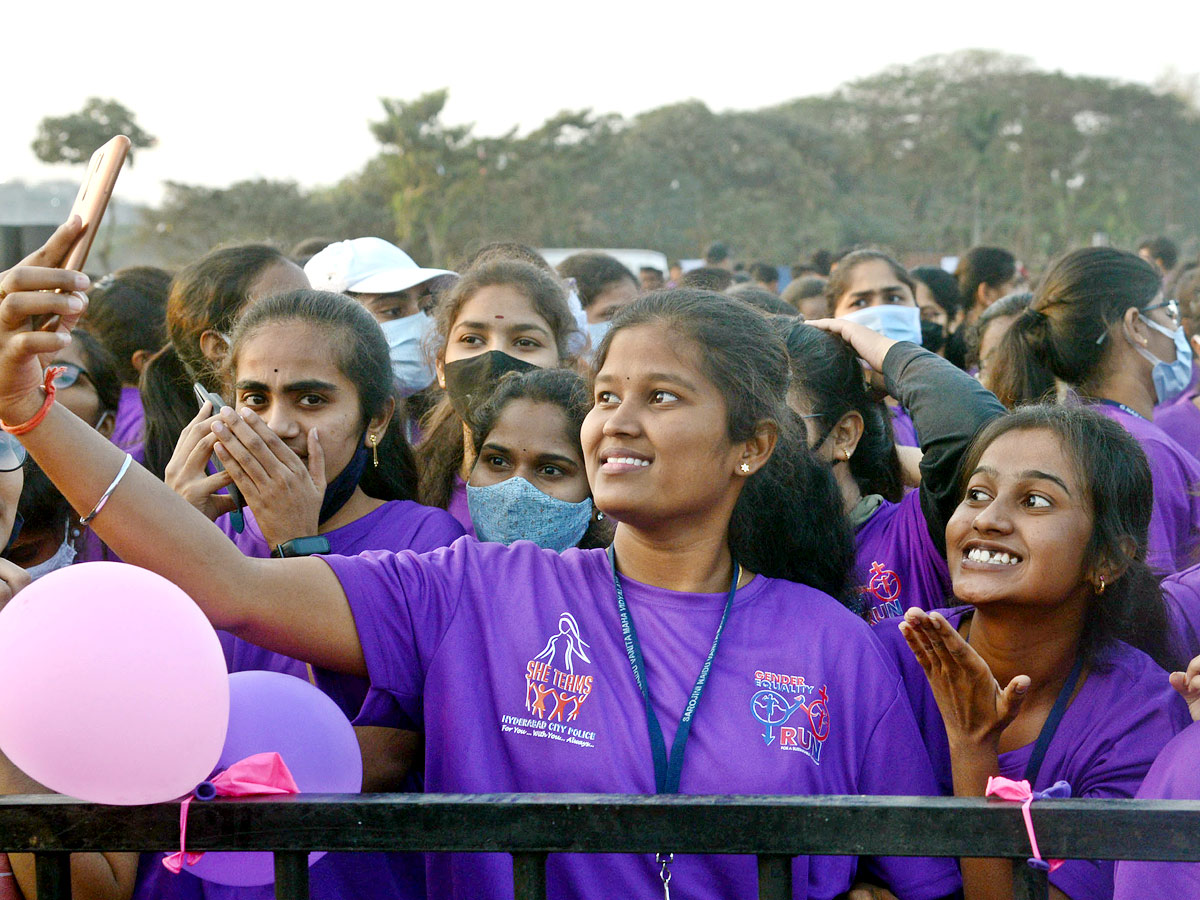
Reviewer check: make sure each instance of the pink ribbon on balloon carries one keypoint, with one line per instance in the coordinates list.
(1007, 789)
(260, 774)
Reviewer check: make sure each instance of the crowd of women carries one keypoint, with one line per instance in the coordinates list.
(540, 530)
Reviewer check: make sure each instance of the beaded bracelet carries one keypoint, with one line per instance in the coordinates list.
(48, 386)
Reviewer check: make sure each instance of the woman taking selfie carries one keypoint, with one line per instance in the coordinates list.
(691, 448)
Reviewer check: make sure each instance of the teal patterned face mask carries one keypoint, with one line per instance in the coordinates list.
(515, 510)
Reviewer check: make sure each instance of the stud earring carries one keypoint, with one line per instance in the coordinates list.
(846, 455)
(374, 439)
(745, 467)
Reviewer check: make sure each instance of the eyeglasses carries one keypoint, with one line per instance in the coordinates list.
(1172, 308)
(12, 453)
(70, 374)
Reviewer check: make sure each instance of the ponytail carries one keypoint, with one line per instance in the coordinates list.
(1023, 369)
(789, 521)
(169, 403)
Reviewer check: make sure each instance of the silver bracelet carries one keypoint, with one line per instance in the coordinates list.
(108, 493)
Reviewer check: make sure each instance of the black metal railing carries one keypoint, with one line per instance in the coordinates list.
(530, 826)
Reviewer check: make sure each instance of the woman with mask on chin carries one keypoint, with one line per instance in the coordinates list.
(325, 469)
(872, 289)
(1099, 323)
(502, 316)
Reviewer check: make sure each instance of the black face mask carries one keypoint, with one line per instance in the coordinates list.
(339, 491)
(470, 382)
(933, 336)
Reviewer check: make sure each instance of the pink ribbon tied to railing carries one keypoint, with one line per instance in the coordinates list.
(1007, 789)
(262, 773)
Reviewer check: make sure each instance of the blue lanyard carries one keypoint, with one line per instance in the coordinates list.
(666, 771)
(1034, 766)
(1121, 406)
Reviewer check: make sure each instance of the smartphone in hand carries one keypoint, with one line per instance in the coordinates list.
(203, 395)
(90, 204)
(94, 194)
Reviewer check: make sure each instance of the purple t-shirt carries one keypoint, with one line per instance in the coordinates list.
(903, 429)
(1175, 775)
(1181, 420)
(128, 427)
(1175, 522)
(1122, 716)
(458, 506)
(396, 525)
(399, 524)
(898, 565)
(1181, 593)
(511, 661)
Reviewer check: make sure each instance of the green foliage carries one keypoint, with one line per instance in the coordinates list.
(73, 138)
(929, 158)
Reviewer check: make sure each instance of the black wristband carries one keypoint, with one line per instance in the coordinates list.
(302, 546)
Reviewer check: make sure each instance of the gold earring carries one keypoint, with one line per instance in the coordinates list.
(1102, 585)
(374, 439)
(846, 455)
(745, 467)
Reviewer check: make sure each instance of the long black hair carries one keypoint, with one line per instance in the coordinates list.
(1115, 473)
(360, 352)
(827, 374)
(207, 295)
(1063, 332)
(789, 520)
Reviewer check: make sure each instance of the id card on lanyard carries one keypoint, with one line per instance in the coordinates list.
(667, 769)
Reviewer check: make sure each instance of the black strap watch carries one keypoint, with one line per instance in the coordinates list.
(302, 546)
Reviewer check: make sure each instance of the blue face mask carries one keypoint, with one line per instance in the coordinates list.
(515, 510)
(1170, 378)
(900, 323)
(404, 337)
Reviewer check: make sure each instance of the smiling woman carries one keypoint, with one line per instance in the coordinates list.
(1067, 624)
(503, 316)
(531, 643)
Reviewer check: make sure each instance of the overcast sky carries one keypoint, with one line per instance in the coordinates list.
(285, 90)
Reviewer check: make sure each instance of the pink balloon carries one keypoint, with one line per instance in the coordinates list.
(113, 686)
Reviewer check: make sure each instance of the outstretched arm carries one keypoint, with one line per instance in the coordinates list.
(296, 607)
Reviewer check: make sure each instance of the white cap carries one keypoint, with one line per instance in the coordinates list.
(367, 265)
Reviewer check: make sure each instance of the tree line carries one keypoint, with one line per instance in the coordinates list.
(928, 158)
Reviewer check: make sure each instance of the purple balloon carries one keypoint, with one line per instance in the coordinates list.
(271, 711)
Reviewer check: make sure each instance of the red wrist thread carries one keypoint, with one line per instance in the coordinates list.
(48, 386)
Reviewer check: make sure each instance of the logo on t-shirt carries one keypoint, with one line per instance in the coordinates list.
(883, 593)
(794, 714)
(554, 691)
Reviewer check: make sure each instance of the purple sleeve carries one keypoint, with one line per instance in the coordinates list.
(1173, 522)
(1181, 592)
(437, 528)
(1175, 775)
(895, 762)
(402, 605)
